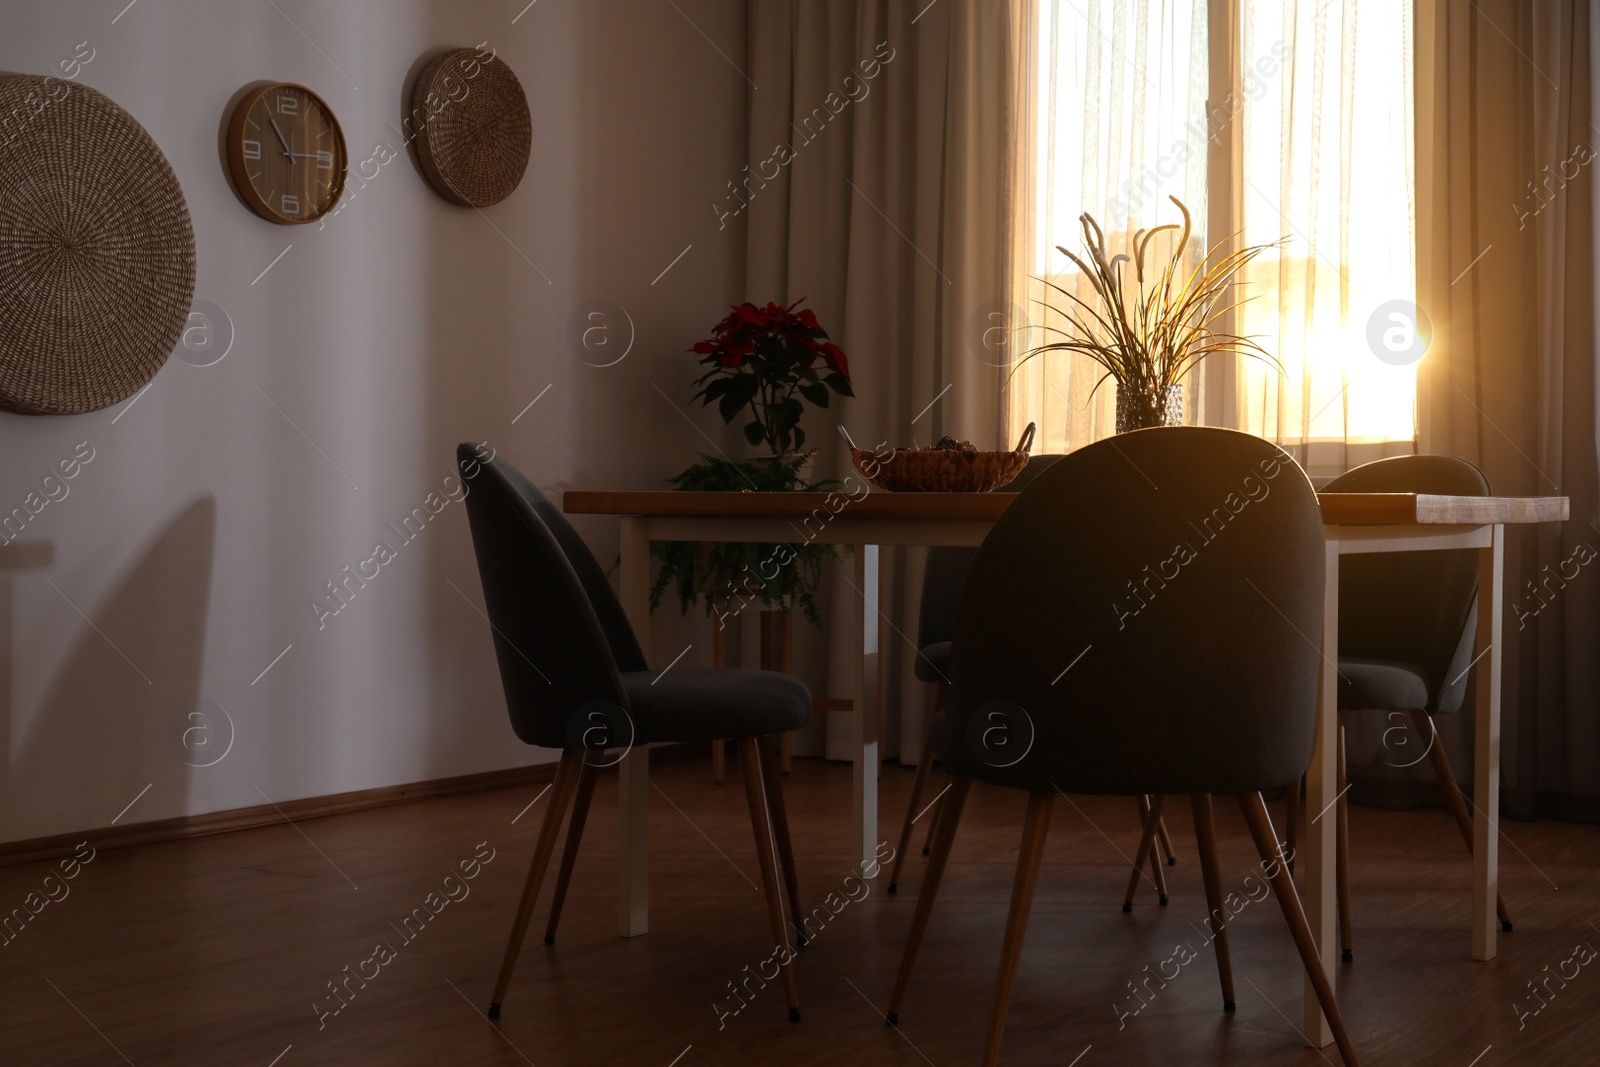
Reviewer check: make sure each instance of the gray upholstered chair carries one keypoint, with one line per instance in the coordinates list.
(1407, 624)
(943, 576)
(1135, 624)
(575, 680)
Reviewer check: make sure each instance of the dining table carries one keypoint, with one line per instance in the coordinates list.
(1352, 523)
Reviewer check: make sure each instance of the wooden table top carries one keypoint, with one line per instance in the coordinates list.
(1338, 509)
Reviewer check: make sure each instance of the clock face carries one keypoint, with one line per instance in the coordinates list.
(287, 154)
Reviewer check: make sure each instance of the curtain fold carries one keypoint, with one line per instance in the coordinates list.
(880, 145)
(1506, 271)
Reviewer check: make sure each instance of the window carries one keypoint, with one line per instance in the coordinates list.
(1138, 101)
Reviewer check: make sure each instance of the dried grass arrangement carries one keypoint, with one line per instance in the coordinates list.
(1149, 324)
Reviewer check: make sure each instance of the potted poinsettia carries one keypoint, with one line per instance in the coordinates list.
(769, 359)
(764, 363)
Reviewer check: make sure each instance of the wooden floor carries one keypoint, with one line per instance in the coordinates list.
(220, 950)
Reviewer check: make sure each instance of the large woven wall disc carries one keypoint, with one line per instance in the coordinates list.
(474, 132)
(96, 250)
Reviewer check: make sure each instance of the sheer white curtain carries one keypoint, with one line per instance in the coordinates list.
(1329, 159)
(1117, 125)
(1301, 110)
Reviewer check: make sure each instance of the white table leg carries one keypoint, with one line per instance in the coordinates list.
(1322, 777)
(864, 774)
(633, 783)
(1486, 752)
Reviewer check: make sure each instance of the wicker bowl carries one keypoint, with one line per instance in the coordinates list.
(474, 149)
(97, 261)
(934, 470)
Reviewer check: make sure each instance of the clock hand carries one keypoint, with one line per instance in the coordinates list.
(282, 139)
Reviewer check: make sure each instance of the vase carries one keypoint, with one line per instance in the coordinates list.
(1144, 409)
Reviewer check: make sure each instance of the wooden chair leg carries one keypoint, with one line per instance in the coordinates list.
(1453, 797)
(919, 784)
(569, 857)
(770, 779)
(786, 665)
(1291, 820)
(719, 658)
(1166, 843)
(1146, 841)
(1035, 829)
(1205, 833)
(933, 816)
(761, 824)
(949, 818)
(1149, 817)
(1260, 823)
(1342, 858)
(1158, 870)
(567, 773)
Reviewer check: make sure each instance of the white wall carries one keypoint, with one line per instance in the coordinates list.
(196, 537)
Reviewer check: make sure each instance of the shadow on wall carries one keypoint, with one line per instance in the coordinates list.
(156, 618)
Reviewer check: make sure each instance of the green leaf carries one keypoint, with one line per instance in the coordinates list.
(840, 383)
(799, 437)
(817, 394)
(755, 433)
(729, 407)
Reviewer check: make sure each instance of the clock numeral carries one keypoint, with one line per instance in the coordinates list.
(290, 204)
(252, 150)
(325, 160)
(288, 105)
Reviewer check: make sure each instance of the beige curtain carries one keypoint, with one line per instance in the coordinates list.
(1507, 248)
(880, 139)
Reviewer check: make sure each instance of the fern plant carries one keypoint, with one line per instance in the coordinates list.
(730, 575)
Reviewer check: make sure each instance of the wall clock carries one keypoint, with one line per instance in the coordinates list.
(286, 153)
(97, 262)
(473, 129)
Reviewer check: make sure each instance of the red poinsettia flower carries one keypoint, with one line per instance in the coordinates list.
(753, 315)
(834, 356)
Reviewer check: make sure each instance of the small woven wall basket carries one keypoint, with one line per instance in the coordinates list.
(932, 470)
(474, 139)
(96, 250)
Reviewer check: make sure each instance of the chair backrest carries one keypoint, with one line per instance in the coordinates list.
(552, 649)
(1413, 607)
(607, 607)
(1144, 619)
(945, 572)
